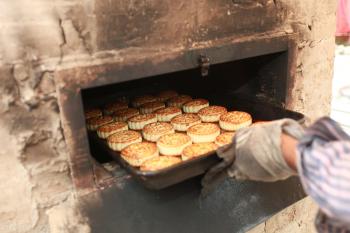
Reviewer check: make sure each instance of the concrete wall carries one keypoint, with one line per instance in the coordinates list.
(38, 35)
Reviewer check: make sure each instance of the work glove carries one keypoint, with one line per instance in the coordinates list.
(254, 154)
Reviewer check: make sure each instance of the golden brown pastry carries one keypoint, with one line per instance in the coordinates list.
(122, 139)
(166, 114)
(173, 144)
(195, 105)
(178, 101)
(139, 121)
(91, 113)
(138, 153)
(151, 107)
(166, 95)
(211, 113)
(94, 123)
(197, 150)
(115, 106)
(105, 130)
(203, 132)
(152, 132)
(125, 114)
(184, 121)
(140, 100)
(235, 120)
(224, 138)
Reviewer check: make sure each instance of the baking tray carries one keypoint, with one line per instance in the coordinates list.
(156, 180)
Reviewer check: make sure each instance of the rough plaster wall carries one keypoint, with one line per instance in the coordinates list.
(315, 20)
(36, 35)
(35, 174)
(37, 193)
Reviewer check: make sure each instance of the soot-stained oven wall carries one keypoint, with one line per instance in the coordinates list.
(124, 24)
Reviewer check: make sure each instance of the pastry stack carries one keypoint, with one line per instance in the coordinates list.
(164, 129)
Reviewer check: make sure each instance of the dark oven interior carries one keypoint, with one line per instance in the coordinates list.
(231, 84)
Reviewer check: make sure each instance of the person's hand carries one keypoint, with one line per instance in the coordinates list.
(256, 154)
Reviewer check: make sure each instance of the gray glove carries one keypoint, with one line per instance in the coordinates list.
(255, 154)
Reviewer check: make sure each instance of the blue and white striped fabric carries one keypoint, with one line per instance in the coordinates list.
(324, 169)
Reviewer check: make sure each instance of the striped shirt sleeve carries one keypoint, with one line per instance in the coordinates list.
(324, 169)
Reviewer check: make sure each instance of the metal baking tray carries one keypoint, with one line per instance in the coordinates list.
(156, 180)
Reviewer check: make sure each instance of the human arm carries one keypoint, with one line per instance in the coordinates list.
(323, 163)
(273, 152)
(289, 150)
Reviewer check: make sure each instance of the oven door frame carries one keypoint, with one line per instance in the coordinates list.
(131, 64)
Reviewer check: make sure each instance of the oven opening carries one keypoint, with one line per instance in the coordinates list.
(231, 84)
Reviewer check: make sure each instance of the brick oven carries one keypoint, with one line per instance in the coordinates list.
(264, 51)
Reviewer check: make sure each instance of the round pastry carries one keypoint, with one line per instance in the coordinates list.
(139, 121)
(159, 163)
(203, 132)
(152, 132)
(94, 123)
(113, 107)
(125, 114)
(138, 153)
(165, 95)
(224, 138)
(140, 100)
(105, 130)
(232, 121)
(211, 113)
(151, 107)
(178, 101)
(91, 113)
(122, 139)
(166, 114)
(173, 144)
(198, 149)
(195, 105)
(184, 121)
